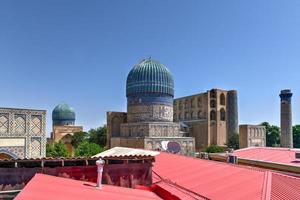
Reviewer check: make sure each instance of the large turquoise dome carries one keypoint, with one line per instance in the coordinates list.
(63, 114)
(149, 77)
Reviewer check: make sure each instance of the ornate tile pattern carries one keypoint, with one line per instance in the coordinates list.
(35, 148)
(20, 124)
(3, 123)
(36, 124)
(26, 124)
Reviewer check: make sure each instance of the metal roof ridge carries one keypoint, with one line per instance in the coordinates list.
(267, 186)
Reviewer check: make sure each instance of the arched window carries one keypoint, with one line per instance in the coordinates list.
(213, 103)
(212, 115)
(212, 94)
(222, 114)
(180, 105)
(186, 115)
(192, 103)
(222, 99)
(199, 101)
(186, 104)
(199, 115)
(116, 122)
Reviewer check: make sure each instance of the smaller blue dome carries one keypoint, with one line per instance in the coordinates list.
(63, 114)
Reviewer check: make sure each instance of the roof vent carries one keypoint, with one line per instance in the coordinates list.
(297, 155)
(204, 155)
(232, 159)
(100, 164)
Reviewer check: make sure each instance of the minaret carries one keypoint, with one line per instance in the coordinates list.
(232, 113)
(286, 137)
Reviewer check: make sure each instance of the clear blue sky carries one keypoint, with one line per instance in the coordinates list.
(81, 51)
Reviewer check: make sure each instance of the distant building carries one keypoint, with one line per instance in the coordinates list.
(22, 133)
(211, 116)
(148, 122)
(252, 136)
(63, 117)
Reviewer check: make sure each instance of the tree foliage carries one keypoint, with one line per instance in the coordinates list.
(233, 141)
(87, 149)
(214, 149)
(273, 134)
(98, 136)
(296, 136)
(78, 138)
(57, 149)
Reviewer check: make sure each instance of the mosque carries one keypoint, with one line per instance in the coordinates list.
(63, 125)
(148, 122)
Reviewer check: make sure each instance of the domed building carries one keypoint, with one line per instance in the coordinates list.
(63, 114)
(148, 122)
(63, 120)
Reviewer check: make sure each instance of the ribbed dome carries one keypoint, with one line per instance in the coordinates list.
(149, 76)
(63, 114)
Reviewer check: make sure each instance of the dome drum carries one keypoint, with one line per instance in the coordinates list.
(149, 92)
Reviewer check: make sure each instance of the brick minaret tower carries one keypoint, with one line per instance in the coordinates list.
(286, 138)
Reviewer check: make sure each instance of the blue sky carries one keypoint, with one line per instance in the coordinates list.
(80, 52)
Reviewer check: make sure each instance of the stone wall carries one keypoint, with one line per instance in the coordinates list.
(150, 112)
(114, 121)
(187, 144)
(59, 132)
(23, 133)
(252, 135)
(150, 129)
(127, 142)
(207, 116)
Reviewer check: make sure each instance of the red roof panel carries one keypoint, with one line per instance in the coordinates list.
(45, 187)
(277, 155)
(215, 180)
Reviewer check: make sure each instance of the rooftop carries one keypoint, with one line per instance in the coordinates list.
(41, 188)
(270, 154)
(190, 178)
(119, 152)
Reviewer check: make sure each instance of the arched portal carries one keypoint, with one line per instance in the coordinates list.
(67, 140)
(5, 154)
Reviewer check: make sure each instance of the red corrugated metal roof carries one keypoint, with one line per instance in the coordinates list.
(215, 180)
(45, 187)
(284, 187)
(277, 155)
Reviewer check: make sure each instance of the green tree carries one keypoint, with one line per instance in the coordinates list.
(87, 149)
(273, 134)
(58, 149)
(233, 141)
(98, 136)
(296, 136)
(78, 138)
(214, 149)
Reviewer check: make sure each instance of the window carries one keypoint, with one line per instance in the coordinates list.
(212, 115)
(213, 103)
(199, 115)
(222, 99)
(180, 105)
(199, 101)
(186, 115)
(212, 94)
(222, 114)
(186, 104)
(192, 103)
